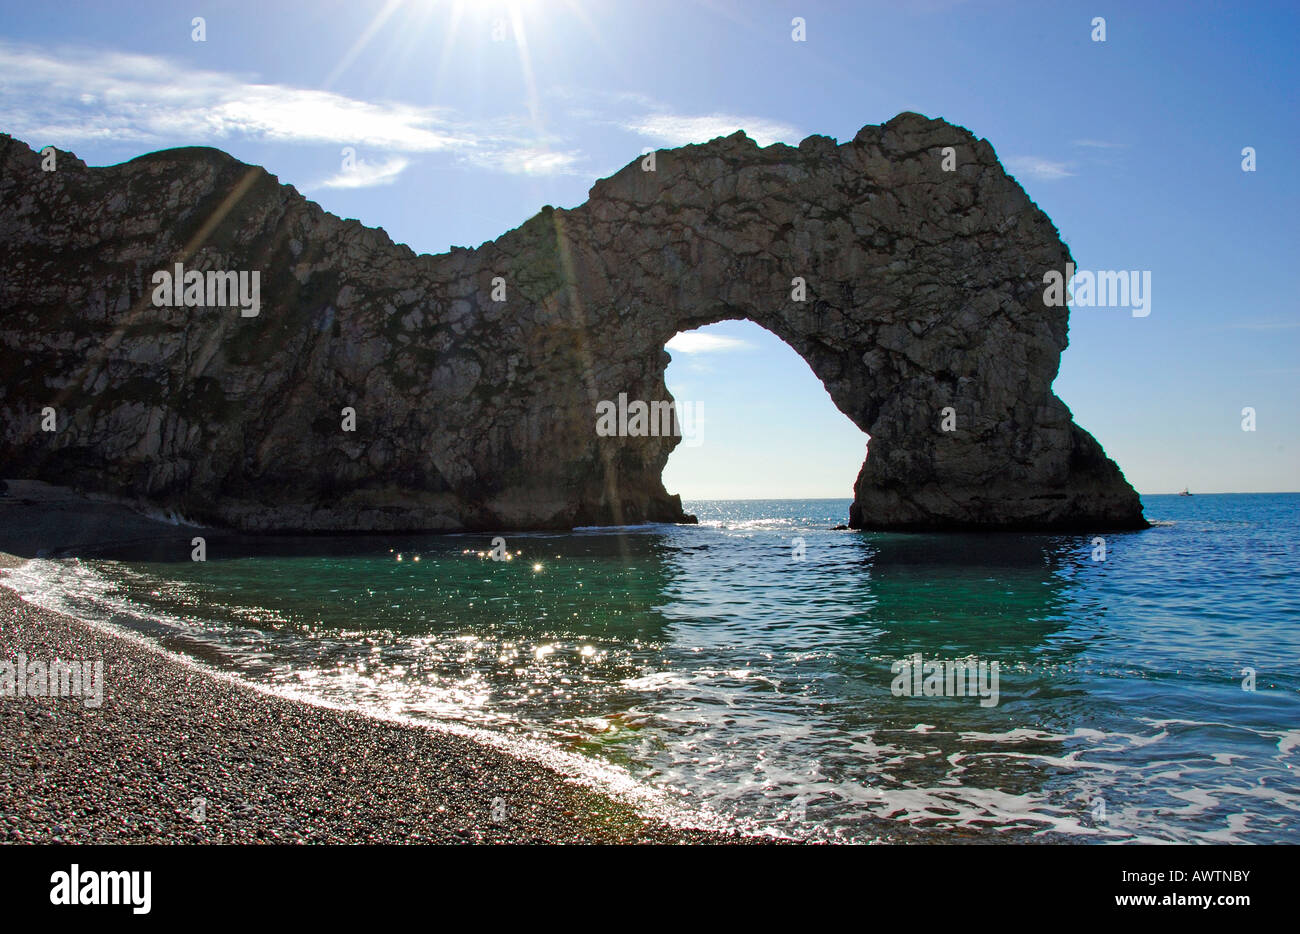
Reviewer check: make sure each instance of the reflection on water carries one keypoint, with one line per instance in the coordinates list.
(710, 662)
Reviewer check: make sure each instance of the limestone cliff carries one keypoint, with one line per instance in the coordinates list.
(923, 292)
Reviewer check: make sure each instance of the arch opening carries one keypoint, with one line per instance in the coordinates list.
(756, 421)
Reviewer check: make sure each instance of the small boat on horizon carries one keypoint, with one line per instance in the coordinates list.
(1186, 492)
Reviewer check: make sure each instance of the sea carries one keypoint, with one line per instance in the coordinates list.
(763, 671)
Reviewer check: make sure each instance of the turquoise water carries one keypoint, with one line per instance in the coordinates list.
(709, 663)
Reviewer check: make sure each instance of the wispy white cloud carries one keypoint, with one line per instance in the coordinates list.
(1041, 169)
(71, 96)
(527, 160)
(78, 94)
(1099, 144)
(691, 342)
(368, 174)
(680, 129)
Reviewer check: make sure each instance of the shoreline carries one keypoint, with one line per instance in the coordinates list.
(268, 768)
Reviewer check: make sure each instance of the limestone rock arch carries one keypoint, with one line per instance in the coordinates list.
(923, 293)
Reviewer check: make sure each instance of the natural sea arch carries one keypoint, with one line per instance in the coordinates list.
(915, 295)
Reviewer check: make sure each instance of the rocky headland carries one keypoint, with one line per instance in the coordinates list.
(370, 388)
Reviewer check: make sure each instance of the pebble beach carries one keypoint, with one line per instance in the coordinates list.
(178, 754)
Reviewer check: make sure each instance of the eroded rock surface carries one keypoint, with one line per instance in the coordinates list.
(924, 291)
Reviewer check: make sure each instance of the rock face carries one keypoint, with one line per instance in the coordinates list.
(924, 293)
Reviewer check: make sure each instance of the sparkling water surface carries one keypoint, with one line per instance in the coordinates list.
(709, 663)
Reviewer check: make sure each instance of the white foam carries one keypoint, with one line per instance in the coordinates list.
(41, 582)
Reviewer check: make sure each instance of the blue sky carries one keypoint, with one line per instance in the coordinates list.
(1132, 146)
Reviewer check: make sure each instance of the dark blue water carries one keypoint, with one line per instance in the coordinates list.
(711, 664)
